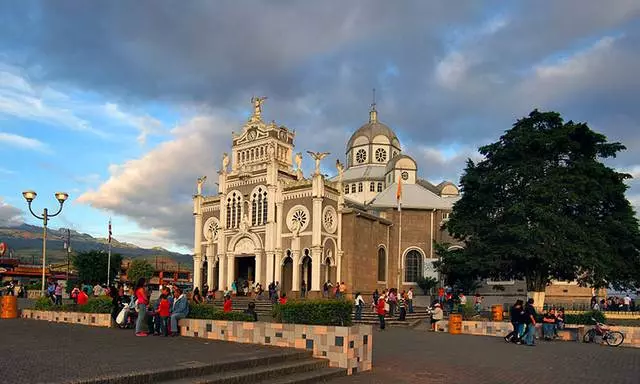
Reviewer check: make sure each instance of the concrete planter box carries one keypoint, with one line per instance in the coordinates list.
(92, 319)
(570, 333)
(350, 348)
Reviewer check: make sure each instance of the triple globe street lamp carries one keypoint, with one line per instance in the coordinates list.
(30, 196)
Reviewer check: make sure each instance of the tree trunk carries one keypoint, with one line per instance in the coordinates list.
(536, 286)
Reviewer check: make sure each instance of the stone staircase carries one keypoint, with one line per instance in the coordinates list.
(292, 368)
(264, 308)
(288, 367)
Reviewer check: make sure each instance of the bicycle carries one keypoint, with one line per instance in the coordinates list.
(612, 338)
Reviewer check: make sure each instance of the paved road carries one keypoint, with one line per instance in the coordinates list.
(42, 352)
(413, 356)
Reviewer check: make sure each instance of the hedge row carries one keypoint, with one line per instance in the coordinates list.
(209, 312)
(585, 318)
(94, 305)
(314, 312)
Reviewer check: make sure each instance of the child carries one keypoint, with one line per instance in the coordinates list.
(227, 306)
(164, 313)
(283, 298)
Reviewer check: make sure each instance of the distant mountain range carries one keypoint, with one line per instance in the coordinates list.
(25, 241)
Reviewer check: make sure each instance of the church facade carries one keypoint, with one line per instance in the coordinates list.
(270, 222)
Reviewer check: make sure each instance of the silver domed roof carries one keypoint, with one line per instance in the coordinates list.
(372, 129)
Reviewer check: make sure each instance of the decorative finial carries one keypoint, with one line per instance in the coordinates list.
(373, 114)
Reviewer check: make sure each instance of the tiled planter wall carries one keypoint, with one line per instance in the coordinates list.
(345, 347)
(572, 333)
(92, 319)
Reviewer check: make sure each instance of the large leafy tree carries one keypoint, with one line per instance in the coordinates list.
(139, 268)
(541, 205)
(92, 266)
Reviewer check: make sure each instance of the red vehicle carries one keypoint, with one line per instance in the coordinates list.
(612, 338)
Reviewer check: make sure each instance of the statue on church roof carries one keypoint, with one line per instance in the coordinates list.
(225, 162)
(257, 106)
(317, 156)
(298, 161)
(340, 168)
(201, 181)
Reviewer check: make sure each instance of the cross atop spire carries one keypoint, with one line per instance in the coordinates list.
(373, 114)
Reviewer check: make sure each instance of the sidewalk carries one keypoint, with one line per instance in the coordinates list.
(41, 352)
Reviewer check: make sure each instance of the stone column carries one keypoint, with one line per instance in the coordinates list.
(278, 266)
(339, 255)
(211, 260)
(295, 254)
(197, 271)
(316, 268)
(259, 260)
(231, 261)
(269, 271)
(222, 281)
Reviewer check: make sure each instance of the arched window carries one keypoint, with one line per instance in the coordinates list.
(234, 209)
(259, 206)
(412, 266)
(360, 187)
(379, 187)
(353, 188)
(346, 189)
(372, 187)
(382, 264)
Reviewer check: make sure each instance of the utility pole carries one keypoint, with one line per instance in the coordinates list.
(67, 246)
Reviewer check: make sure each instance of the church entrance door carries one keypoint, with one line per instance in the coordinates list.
(245, 270)
(306, 272)
(286, 285)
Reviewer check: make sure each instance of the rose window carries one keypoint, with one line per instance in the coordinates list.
(381, 155)
(329, 219)
(298, 218)
(361, 156)
(405, 175)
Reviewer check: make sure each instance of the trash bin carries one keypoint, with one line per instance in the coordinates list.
(455, 324)
(9, 307)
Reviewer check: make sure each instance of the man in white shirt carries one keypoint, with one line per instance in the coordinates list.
(463, 299)
(410, 299)
(627, 303)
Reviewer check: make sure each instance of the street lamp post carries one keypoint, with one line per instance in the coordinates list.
(30, 196)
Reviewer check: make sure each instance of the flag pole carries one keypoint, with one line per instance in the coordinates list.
(109, 257)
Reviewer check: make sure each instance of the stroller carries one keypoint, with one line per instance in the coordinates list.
(126, 319)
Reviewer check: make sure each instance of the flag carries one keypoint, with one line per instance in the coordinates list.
(109, 231)
(399, 193)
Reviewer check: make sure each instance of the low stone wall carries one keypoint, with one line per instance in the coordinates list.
(92, 319)
(570, 333)
(345, 347)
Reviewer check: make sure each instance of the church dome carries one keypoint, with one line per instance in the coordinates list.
(373, 132)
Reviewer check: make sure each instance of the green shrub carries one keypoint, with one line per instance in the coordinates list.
(467, 311)
(97, 305)
(315, 312)
(209, 312)
(94, 305)
(585, 318)
(43, 304)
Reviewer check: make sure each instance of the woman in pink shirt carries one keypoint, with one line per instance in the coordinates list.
(142, 302)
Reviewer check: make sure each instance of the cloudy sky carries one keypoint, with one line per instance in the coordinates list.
(123, 104)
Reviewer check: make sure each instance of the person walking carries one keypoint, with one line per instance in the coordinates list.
(380, 311)
(515, 315)
(142, 302)
(530, 321)
(359, 305)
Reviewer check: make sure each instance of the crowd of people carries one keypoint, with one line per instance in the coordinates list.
(614, 303)
(387, 303)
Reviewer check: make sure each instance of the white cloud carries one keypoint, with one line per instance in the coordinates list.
(145, 124)
(155, 190)
(10, 216)
(23, 142)
(22, 99)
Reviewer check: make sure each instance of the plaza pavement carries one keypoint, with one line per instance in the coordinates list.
(416, 356)
(41, 352)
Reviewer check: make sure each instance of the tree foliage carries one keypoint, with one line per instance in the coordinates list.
(541, 205)
(139, 268)
(92, 266)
